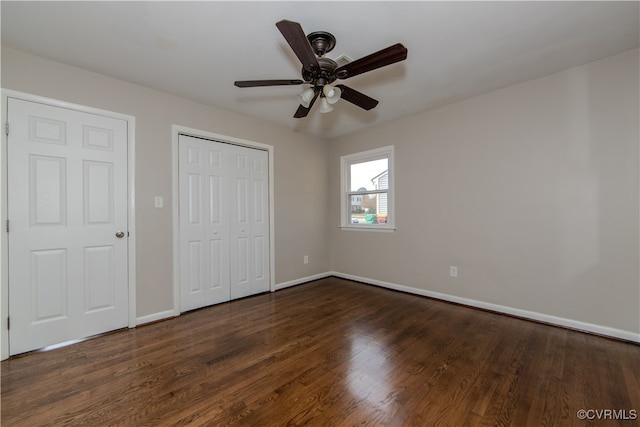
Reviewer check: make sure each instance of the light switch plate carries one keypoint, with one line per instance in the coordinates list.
(158, 201)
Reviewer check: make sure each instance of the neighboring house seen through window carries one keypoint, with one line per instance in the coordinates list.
(367, 186)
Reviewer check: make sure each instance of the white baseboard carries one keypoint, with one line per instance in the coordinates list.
(525, 314)
(155, 317)
(302, 280)
(540, 317)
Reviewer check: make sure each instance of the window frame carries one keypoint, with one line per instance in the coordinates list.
(345, 188)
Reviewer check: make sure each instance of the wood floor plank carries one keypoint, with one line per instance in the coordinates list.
(330, 352)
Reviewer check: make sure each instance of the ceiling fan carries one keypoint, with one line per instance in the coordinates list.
(321, 72)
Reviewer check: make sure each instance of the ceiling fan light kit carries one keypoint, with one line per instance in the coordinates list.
(325, 106)
(321, 72)
(306, 96)
(331, 93)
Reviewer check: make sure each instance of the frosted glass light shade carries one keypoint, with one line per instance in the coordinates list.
(331, 93)
(325, 107)
(306, 96)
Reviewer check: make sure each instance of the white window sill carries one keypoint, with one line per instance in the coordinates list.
(367, 228)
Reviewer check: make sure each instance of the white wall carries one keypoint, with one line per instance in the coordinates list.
(301, 176)
(532, 191)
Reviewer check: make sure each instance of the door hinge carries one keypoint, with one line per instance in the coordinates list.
(8, 323)
(6, 128)
(7, 226)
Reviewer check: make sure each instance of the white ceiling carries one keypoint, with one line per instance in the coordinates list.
(198, 49)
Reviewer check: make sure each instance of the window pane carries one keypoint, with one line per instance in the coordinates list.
(366, 179)
(372, 175)
(369, 208)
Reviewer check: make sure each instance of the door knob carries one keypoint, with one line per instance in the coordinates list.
(120, 234)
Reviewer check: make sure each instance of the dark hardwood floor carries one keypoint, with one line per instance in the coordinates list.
(329, 353)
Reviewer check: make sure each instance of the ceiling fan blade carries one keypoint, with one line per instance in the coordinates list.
(302, 111)
(357, 98)
(255, 83)
(381, 58)
(293, 33)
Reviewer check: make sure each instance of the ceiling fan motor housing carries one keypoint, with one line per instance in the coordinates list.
(325, 75)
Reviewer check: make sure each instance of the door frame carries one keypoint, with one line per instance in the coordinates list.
(176, 131)
(4, 245)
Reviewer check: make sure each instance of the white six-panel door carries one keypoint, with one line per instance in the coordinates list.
(224, 225)
(67, 202)
(249, 213)
(204, 223)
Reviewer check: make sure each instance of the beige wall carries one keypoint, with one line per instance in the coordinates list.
(301, 176)
(532, 191)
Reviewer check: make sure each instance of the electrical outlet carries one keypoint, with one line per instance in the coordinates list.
(453, 271)
(306, 259)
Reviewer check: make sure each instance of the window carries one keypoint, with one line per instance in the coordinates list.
(367, 190)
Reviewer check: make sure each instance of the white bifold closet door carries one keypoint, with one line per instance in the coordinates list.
(224, 221)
